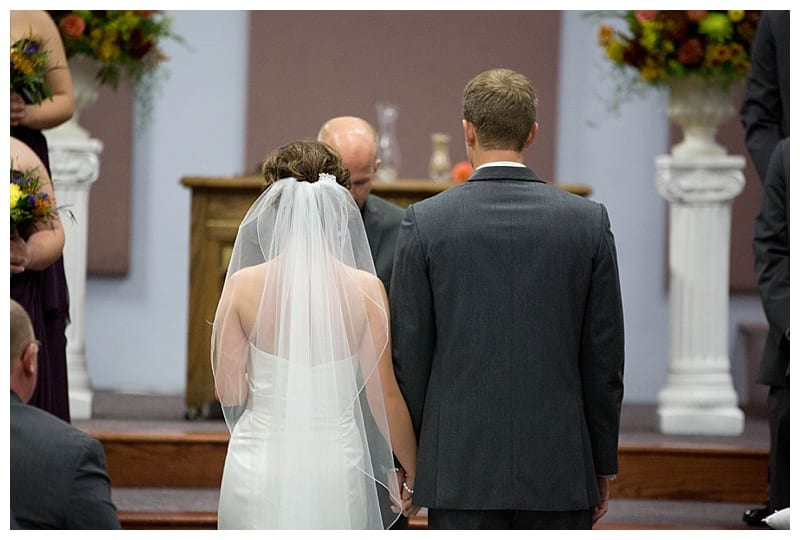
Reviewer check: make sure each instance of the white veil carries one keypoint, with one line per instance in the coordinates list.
(301, 304)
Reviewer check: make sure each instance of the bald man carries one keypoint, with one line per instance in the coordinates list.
(356, 141)
(58, 472)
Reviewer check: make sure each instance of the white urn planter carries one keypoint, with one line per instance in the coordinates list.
(699, 107)
(75, 165)
(699, 180)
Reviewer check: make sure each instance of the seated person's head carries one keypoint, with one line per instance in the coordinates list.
(24, 350)
(305, 161)
(501, 105)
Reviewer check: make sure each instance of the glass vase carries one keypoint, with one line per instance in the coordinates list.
(388, 147)
(439, 168)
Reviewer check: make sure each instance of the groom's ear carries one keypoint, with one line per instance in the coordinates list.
(532, 135)
(469, 133)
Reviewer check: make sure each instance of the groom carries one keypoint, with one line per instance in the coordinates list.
(508, 334)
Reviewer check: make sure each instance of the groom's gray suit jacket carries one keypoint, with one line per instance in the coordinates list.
(508, 343)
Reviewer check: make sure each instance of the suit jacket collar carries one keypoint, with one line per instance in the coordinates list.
(504, 173)
(15, 398)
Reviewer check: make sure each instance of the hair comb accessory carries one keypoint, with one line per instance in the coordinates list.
(327, 177)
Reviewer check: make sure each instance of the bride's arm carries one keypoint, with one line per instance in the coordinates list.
(401, 431)
(230, 349)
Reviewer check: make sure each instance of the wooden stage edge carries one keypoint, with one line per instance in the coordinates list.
(195, 460)
(166, 470)
(148, 444)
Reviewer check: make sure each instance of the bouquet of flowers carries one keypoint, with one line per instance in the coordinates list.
(28, 70)
(655, 47)
(29, 205)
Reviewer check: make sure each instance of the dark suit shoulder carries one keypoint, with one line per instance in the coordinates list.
(469, 192)
(388, 210)
(39, 425)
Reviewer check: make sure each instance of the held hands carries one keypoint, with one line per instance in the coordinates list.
(18, 253)
(17, 109)
(406, 484)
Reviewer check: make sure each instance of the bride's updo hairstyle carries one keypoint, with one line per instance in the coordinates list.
(305, 161)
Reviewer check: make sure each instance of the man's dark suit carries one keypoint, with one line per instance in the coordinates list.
(382, 221)
(765, 107)
(58, 474)
(771, 250)
(508, 344)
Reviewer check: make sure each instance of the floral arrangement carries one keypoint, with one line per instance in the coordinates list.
(659, 46)
(28, 71)
(123, 42)
(29, 205)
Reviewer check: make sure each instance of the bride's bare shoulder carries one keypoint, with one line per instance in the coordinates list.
(371, 286)
(249, 275)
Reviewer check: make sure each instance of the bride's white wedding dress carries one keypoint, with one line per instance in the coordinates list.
(275, 480)
(298, 334)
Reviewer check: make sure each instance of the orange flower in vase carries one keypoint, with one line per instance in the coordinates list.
(461, 171)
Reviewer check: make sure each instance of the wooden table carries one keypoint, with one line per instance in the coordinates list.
(218, 206)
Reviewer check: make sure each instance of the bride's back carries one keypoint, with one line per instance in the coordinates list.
(261, 292)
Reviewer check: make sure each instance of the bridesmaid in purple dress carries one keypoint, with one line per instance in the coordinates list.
(43, 292)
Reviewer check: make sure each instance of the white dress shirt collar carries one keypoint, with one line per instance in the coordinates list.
(501, 164)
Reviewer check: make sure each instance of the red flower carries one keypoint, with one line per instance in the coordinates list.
(139, 45)
(690, 52)
(696, 15)
(644, 15)
(72, 26)
(674, 26)
(634, 55)
(746, 28)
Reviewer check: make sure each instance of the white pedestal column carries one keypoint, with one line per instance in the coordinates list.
(75, 165)
(699, 397)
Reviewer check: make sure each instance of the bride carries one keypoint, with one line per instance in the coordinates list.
(302, 363)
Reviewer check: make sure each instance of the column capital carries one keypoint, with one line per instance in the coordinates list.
(75, 161)
(699, 179)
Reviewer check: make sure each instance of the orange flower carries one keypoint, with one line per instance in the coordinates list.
(604, 34)
(461, 171)
(72, 26)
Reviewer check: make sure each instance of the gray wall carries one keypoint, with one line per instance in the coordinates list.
(136, 326)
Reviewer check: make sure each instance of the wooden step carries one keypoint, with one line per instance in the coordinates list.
(720, 473)
(164, 459)
(167, 520)
(195, 508)
(137, 520)
(692, 473)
